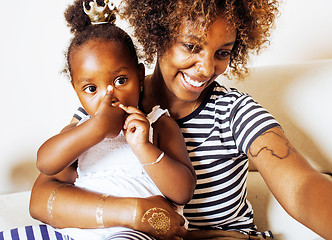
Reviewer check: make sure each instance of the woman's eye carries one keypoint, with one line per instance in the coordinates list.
(90, 89)
(223, 54)
(194, 48)
(119, 81)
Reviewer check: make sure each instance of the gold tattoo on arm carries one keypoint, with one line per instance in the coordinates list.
(51, 200)
(281, 152)
(100, 211)
(159, 220)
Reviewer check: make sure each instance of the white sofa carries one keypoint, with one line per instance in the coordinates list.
(299, 96)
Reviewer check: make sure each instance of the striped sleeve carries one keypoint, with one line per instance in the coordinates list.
(248, 121)
(35, 232)
(80, 114)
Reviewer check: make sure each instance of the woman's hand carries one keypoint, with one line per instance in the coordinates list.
(157, 217)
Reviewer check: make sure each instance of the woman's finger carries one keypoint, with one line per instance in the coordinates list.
(182, 232)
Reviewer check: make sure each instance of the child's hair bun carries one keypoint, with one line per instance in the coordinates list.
(75, 16)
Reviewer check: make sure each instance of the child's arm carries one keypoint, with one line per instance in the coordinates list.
(64, 148)
(173, 174)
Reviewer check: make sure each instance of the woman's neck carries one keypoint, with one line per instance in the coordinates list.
(157, 93)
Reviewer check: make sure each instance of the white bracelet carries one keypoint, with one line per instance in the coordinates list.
(157, 161)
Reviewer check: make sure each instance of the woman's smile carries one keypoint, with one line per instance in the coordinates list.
(192, 84)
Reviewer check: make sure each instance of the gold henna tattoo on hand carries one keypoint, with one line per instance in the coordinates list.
(159, 220)
(281, 152)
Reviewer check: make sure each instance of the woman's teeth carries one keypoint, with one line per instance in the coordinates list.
(192, 82)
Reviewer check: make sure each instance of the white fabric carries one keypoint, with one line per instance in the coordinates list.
(111, 167)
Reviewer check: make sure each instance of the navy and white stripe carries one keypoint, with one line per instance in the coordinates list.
(45, 232)
(80, 114)
(218, 135)
(130, 235)
(36, 232)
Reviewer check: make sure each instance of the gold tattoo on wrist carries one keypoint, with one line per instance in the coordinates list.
(159, 220)
(51, 200)
(100, 211)
(281, 152)
(134, 215)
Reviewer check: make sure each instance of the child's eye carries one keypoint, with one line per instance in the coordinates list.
(223, 54)
(90, 89)
(119, 81)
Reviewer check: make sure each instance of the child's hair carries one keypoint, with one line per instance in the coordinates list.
(83, 31)
(157, 24)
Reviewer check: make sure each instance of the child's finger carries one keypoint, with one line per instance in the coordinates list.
(136, 125)
(130, 109)
(108, 96)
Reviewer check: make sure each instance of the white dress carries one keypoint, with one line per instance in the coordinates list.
(110, 167)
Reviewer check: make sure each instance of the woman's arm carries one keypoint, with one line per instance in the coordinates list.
(56, 201)
(303, 192)
(173, 174)
(75, 207)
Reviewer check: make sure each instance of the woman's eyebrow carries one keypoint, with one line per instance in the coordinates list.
(229, 44)
(193, 37)
(201, 39)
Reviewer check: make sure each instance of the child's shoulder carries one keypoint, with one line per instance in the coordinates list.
(161, 122)
(165, 129)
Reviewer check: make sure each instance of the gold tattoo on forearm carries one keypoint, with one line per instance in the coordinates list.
(100, 211)
(51, 200)
(134, 215)
(281, 152)
(159, 220)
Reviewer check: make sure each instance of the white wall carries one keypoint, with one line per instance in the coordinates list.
(36, 101)
(303, 33)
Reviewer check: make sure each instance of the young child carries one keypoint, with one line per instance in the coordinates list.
(116, 156)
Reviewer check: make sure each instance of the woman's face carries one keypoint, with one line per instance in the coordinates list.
(98, 64)
(193, 62)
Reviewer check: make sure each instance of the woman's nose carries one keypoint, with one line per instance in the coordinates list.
(206, 65)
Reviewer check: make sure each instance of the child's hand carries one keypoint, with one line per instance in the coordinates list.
(110, 117)
(136, 127)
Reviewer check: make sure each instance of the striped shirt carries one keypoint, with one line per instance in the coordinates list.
(218, 135)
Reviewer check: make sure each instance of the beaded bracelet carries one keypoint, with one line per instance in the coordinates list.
(157, 161)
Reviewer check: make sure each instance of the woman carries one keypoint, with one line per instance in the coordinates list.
(196, 41)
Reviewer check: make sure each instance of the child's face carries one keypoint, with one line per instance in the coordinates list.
(192, 63)
(97, 64)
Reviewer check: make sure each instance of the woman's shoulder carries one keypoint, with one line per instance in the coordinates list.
(219, 90)
(221, 95)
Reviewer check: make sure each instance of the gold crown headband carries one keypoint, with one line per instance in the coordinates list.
(101, 14)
